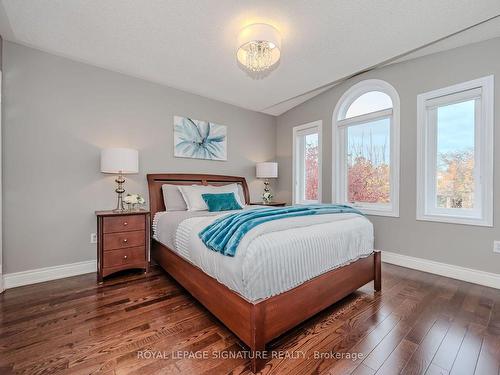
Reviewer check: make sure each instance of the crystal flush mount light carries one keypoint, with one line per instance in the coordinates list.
(259, 47)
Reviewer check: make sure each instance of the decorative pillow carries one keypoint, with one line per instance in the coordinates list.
(221, 202)
(172, 198)
(194, 201)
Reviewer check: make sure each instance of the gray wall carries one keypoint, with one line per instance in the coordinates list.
(467, 246)
(58, 114)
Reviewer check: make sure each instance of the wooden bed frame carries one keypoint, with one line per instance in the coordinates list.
(256, 323)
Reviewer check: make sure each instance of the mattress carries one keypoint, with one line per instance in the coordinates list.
(273, 257)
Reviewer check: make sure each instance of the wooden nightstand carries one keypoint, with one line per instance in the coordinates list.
(122, 241)
(273, 204)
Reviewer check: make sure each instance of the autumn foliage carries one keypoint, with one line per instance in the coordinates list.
(368, 173)
(312, 172)
(455, 179)
(368, 182)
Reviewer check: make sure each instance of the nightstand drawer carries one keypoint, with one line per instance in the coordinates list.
(114, 258)
(124, 239)
(123, 223)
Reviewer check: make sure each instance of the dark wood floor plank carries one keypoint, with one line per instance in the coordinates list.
(75, 326)
(397, 360)
(434, 369)
(422, 357)
(363, 370)
(488, 362)
(450, 346)
(414, 308)
(467, 356)
(401, 311)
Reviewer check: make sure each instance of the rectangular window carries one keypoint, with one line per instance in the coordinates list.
(307, 163)
(455, 154)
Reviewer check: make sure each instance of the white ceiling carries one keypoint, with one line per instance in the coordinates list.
(190, 44)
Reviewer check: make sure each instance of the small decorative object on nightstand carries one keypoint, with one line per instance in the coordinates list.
(267, 170)
(134, 202)
(274, 204)
(122, 241)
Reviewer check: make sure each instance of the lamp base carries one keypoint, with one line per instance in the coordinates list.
(120, 180)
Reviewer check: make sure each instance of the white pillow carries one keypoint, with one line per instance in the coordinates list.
(172, 198)
(194, 200)
(241, 195)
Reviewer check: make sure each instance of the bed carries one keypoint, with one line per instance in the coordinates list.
(263, 297)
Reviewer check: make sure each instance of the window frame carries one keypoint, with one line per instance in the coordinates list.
(297, 171)
(482, 91)
(339, 139)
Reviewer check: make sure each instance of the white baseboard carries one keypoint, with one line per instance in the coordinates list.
(455, 272)
(12, 280)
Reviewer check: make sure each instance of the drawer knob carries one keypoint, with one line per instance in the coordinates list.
(125, 240)
(125, 223)
(125, 257)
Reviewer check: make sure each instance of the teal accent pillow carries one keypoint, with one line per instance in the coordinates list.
(221, 202)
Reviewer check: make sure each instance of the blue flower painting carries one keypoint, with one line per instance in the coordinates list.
(199, 139)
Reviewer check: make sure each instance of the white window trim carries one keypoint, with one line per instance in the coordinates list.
(339, 191)
(483, 148)
(311, 125)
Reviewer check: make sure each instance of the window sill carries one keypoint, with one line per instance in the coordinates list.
(379, 213)
(376, 211)
(456, 220)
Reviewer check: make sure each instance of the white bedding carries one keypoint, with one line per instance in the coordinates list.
(273, 257)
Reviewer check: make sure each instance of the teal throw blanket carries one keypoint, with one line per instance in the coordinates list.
(225, 233)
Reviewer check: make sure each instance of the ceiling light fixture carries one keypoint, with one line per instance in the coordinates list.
(259, 47)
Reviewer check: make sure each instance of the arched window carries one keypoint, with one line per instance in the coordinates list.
(366, 135)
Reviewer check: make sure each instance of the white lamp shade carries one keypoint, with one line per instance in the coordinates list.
(267, 170)
(119, 160)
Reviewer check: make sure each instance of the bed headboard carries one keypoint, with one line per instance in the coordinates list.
(155, 181)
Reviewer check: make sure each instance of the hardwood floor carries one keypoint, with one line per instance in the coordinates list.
(137, 324)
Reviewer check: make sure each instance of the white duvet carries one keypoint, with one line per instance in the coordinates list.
(273, 257)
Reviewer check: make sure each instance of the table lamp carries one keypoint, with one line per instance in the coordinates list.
(267, 170)
(119, 161)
